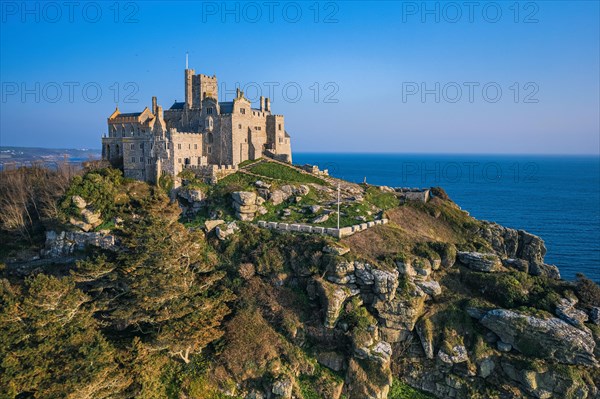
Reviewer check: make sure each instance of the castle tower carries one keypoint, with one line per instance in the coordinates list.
(189, 77)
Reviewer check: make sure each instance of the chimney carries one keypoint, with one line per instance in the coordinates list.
(262, 104)
(154, 105)
(237, 93)
(268, 104)
(159, 112)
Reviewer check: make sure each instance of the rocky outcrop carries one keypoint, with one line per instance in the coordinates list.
(89, 219)
(550, 338)
(547, 382)
(332, 298)
(245, 204)
(283, 388)
(480, 262)
(211, 224)
(566, 310)
(67, 242)
(224, 231)
(284, 192)
(519, 244)
(332, 360)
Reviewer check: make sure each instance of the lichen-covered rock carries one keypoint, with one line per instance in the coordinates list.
(210, 225)
(223, 232)
(549, 382)
(92, 218)
(431, 287)
(367, 380)
(190, 194)
(320, 219)
(332, 360)
(67, 242)
(78, 202)
(336, 249)
(401, 313)
(363, 273)
(283, 388)
(342, 273)
(485, 367)
(385, 283)
(480, 262)
(332, 297)
(459, 355)
(518, 264)
(422, 268)
(550, 338)
(565, 309)
(244, 203)
(426, 338)
(81, 224)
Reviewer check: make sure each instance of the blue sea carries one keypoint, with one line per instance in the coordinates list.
(554, 197)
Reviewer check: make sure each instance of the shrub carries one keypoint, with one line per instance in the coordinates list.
(587, 291)
(401, 390)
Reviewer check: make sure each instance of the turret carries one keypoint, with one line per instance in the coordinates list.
(154, 105)
(262, 103)
(189, 74)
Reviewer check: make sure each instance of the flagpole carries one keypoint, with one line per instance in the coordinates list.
(338, 206)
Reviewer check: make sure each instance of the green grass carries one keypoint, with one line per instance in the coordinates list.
(282, 172)
(401, 390)
(381, 199)
(248, 162)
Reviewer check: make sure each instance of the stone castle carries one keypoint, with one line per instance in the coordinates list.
(201, 134)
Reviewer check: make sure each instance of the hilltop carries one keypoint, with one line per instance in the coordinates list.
(246, 288)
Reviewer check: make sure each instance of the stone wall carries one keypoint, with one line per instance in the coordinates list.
(332, 231)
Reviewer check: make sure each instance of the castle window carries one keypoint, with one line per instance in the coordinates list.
(151, 145)
(280, 126)
(195, 146)
(132, 159)
(149, 161)
(240, 126)
(199, 160)
(281, 139)
(132, 146)
(179, 146)
(141, 146)
(209, 149)
(243, 111)
(209, 110)
(210, 138)
(189, 146)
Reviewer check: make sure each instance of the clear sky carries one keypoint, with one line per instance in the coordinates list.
(449, 77)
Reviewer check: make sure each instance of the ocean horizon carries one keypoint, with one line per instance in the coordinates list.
(556, 197)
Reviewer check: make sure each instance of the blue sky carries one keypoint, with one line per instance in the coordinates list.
(501, 77)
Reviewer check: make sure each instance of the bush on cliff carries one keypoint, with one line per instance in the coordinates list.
(587, 291)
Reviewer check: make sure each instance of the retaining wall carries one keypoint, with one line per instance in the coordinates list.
(334, 232)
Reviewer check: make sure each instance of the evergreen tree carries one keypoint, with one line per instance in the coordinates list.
(51, 346)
